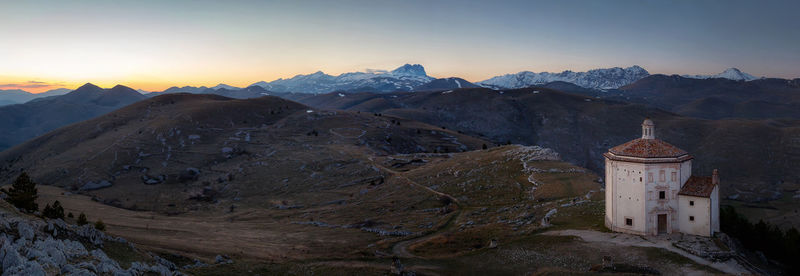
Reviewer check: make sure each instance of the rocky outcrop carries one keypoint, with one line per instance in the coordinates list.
(29, 246)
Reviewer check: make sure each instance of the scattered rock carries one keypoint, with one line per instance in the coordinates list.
(91, 185)
(222, 259)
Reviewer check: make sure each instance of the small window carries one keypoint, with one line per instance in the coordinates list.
(691, 218)
(691, 202)
(629, 221)
(662, 195)
(649, 177)
(674, 177)
(640, 179)
(662, 176)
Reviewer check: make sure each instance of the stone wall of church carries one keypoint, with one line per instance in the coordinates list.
(695, 215)
(625, 197)
(663, 182)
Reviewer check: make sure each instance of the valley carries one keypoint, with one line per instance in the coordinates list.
(279, 186)
(756, 157)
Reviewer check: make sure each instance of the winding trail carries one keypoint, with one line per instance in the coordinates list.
(400, 249)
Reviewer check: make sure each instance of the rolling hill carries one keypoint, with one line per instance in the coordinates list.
(286, 180)
(717, 98)
(21, 122)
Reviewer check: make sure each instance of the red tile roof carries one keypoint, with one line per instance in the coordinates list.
(648, 148)
(701, 186)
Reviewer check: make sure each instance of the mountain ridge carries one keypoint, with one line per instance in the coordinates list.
(730, 73)
(608, 78)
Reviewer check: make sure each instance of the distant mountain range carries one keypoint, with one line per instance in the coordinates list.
(412, 78)
(17, 96)
(725, 95)
(404, 78)
(596, 79)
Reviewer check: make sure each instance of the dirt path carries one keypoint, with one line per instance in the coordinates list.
(400, 249)
(730, 266)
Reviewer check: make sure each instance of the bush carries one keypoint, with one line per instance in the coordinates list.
(70, 215)
(99, 225)
(54, 212)
(445, 200)
(23, 193)
(82, 220)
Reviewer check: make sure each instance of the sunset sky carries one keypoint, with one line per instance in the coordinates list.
(153, 45)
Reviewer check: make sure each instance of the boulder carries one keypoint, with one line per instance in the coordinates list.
(25, 230)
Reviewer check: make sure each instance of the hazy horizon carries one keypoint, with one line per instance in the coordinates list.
(153, 45)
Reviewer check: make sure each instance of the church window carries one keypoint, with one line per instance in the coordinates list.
(691, 218)
(662, 195)
(674, 176)
(640, 179)
(691, 202)
(649, 177)
(662, 177)
(629, 221)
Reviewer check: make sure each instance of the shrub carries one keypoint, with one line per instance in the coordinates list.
(99, 225)
(53, 212)
(82, 220)
(70, 215)
(445, 200)
(23, 193)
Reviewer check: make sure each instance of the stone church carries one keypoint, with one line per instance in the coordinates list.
(650, 189)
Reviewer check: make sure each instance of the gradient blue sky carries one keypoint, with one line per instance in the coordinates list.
(156, 44)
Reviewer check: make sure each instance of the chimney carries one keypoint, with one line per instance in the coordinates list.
(715, 177)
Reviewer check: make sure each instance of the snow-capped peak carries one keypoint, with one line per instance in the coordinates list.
(410, 70)
(607, 78)
(730, 73)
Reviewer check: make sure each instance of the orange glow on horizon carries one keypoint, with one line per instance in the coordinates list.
(150, 84)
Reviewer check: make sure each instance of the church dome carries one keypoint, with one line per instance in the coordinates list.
(647, 146)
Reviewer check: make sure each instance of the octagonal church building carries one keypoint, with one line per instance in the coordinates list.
(650, 189)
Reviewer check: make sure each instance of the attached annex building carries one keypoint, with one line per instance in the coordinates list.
(650, 189)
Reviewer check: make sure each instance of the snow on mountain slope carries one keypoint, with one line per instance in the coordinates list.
(609, 78)
(404, 78)
(222, 85)
(730, 73)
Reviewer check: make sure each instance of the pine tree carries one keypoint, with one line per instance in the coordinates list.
(23, 193)
(82, 220)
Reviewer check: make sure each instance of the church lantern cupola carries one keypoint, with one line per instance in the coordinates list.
(648, 129)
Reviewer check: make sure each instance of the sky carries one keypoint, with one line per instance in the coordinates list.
(153, 45)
